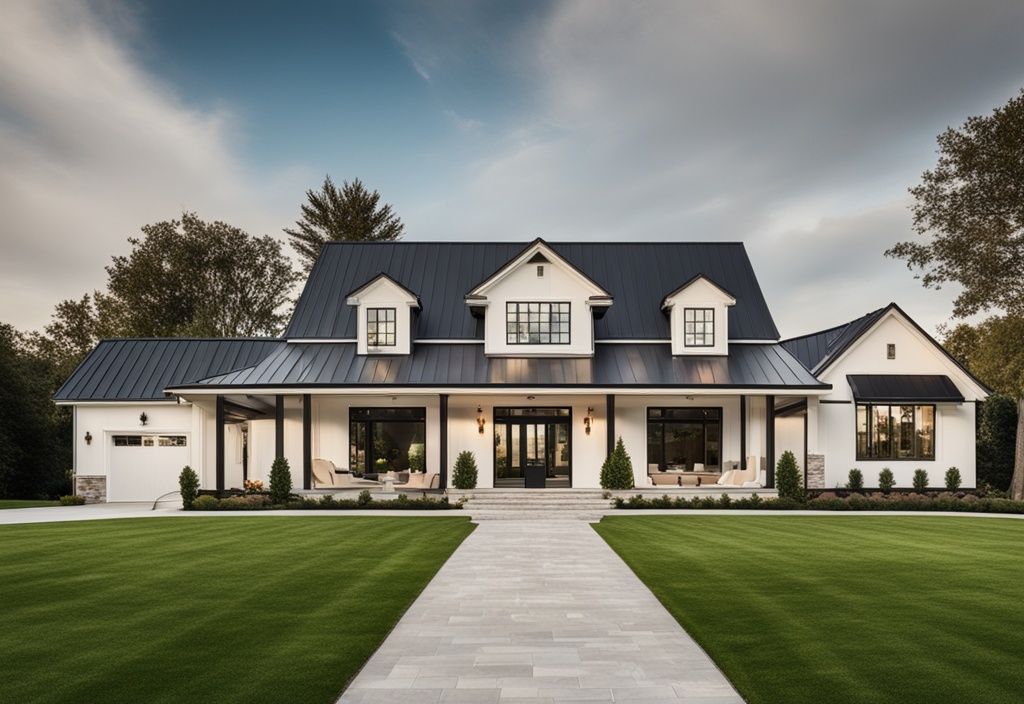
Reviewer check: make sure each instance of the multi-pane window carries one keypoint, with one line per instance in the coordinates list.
(537, 323)
(380, 327)
(680, 438)
(901, 432)
(699, 327)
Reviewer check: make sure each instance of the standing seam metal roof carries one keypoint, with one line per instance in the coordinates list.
(636, 274)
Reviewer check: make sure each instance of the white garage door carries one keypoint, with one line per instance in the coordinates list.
(144, 467)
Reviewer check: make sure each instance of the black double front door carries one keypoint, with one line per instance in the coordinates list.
(532, 447)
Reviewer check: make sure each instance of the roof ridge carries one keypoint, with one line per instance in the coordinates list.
(190, 339)
(491, 243)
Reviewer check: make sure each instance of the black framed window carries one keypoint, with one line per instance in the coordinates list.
(895, 432)
(537, 323)
(699, 327)
(387, 439)
(380, 327)
(679, 438)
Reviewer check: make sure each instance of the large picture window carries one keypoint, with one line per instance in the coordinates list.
(387, 439)
(380, 327)
(537, 323)
(699, 327)
(891, 432)
(680, 438)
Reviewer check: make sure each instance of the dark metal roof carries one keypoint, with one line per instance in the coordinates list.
(140, 369)
(459, 365)
(636, 274)
(813, 349)
(904, 388)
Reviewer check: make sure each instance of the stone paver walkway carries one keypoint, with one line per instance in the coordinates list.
(538, 611)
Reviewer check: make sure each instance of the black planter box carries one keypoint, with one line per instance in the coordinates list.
(534, 477)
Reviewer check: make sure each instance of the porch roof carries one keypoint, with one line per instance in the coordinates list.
(313, 365)
(904, 388)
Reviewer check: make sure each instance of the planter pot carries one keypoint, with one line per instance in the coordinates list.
(535, 477)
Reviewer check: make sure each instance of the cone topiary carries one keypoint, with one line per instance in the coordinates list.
(188, 485)
(464, 474)
(280, 481)
(788, 481)
(617, 470)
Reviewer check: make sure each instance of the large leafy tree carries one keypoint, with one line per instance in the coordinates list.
(969, 210)
(350, 213)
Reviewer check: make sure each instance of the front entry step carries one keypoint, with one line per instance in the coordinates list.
(520, 504)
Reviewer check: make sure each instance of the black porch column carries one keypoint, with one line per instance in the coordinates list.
(218, 443)
(307, 441)
(769, 416)
(743, 432)
(279, 426)
(442, 443)
(610, 413)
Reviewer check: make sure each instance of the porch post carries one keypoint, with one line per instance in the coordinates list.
(743, 432)
(769, 419)
(279, 426)
(610, 412)
(442, 441)
(218, 443)
(307, 441)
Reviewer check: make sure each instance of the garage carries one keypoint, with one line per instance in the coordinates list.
(145, 466)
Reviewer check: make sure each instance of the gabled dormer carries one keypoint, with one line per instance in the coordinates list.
(698, 315)
(384, 321)
(538, 304)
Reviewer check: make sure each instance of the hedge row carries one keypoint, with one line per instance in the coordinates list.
(262, 502)
(831, 502)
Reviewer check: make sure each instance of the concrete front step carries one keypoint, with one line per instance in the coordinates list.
(592, 516)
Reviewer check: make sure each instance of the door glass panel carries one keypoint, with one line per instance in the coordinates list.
(515, 455)
(500, 448)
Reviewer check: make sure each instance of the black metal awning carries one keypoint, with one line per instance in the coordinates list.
(904, 388)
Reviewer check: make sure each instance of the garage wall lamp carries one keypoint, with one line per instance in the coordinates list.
(88, 438)
(143, 418)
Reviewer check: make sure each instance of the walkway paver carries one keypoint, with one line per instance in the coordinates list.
(538, 611)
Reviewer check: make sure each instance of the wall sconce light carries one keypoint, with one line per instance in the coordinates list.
(143, 418)
(588, 419)
(480, 420)
(88, 438)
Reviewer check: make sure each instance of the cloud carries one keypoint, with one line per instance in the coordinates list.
(794, 126)
(91, 148)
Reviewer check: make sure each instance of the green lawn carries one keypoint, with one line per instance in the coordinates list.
(211, 609)
(842, 608)
(25, 503)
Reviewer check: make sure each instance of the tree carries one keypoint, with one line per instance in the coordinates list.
(188, 484)
(189, 277)
(280, 481)
(970, 210)
(32, 462)
(997, 423)
(788, 481)
(349, 214)
(617, 470)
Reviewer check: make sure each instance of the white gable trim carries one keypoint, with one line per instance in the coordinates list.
(963, 379)
(552, 256)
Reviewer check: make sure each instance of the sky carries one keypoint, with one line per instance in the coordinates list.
(795, 127)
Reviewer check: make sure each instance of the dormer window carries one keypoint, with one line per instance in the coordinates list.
(380, 327)
(537, 323)
(699, 327)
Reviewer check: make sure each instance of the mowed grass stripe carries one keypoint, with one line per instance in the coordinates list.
(207, 609)
(842, 608)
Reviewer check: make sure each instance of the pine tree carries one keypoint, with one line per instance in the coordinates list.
(617, 470)
(350, 214)
(280, 481)
(787, 478)
(465, 474)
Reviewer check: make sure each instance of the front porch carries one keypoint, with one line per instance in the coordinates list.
(341, 442)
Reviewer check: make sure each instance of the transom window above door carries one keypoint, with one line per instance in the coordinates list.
(537, 323)
(699, 327)
(380, 327)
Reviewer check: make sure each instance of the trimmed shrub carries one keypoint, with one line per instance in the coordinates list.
(855, 480)
(280, 481)
(464, 474)
(364, 498)
(952, 479)
(205, 503)
(920, 480)
(188, 484)
(885, 480)
(788, 481)
(617, 470)
(249, 502)
(72, 500)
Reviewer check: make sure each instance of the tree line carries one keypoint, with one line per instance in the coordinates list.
(185, 277)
